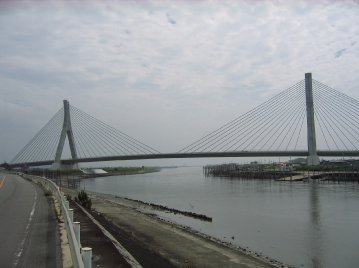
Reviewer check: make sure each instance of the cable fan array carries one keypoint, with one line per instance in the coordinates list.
(278, 124)
(92, 138)
(337, 119)
(44, 144)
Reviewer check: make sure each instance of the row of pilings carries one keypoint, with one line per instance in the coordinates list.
(194, 215)
(246, 171)
(273, 172)
(345, 176)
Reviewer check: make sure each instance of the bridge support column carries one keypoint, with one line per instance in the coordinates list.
(313, 159)
(66, 130)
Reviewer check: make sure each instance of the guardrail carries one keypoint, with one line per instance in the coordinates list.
(81, 257)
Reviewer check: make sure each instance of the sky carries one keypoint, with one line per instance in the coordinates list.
(165, 72)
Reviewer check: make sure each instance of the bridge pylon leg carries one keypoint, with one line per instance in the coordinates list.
(66, 131)
(312, 159)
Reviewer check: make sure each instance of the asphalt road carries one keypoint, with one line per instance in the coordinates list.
(28, 226)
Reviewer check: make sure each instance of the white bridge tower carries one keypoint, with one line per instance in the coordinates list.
(66, 130)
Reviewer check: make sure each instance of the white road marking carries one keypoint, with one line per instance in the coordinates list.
(21, 246)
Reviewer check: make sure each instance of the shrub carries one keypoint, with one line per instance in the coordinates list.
(83, 199)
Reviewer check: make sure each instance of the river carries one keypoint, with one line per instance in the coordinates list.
(304, 224)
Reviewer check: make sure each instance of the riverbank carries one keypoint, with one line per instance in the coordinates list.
(71, 178)
(139, 230)
(114, 171)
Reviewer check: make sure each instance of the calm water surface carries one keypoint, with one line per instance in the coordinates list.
(303, 224)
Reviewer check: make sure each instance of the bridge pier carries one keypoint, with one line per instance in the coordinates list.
(312, 159)
(61, 166)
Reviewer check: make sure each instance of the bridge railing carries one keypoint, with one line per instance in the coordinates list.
(79, 259)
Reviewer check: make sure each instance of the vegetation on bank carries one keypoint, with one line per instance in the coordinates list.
(111, 170)
(330, 168)
(84, 200)
(131, 170)
(319, 168)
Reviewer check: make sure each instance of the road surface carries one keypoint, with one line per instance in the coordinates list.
(28, 226)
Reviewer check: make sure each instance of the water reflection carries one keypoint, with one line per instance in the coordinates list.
(315, 226)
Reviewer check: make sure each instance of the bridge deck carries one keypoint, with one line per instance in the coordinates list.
(194, 155)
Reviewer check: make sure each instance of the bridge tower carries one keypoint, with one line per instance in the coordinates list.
(66, 130)
(313, 158)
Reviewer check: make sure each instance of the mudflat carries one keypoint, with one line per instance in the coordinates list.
(157, 243)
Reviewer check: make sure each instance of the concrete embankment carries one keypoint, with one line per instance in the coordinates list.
(148, 238)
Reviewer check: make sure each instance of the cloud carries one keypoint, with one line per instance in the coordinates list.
(170, 19)
(340, 52)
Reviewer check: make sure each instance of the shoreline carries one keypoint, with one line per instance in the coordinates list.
(120, 173)
(144, 221)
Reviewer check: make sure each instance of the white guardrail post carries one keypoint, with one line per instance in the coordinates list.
(71, 214)
(72, 228)
(77, 231)
(87, 256)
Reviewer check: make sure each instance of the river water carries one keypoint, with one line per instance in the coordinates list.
(304, 224)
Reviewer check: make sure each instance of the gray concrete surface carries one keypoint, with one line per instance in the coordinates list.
(28, 226)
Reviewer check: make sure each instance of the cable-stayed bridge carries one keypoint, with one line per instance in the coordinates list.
(308, 119)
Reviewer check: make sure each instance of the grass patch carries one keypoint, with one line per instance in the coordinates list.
(130, 170)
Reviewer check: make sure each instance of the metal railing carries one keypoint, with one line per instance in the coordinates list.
(81, 257)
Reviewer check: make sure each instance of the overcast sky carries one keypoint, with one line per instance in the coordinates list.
(165, 72)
